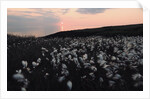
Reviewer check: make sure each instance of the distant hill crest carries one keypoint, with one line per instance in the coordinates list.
(124, 30)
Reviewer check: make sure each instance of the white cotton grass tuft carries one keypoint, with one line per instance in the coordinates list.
(47, 59)
(101, 80)
(23, 89)
(19, 71)
(87, 65)
(115, 49)
(93, 68)
(101, 62)
(65, 72)
(34, 64)
(39, 60)
(26, 82)
(55, 50)
(111, 83)
(69, 57)
(83, 77)
(138, 84)
(100, 56)
(24, 64)
(19, 77)
(92, 75)
(136, 76)
(69, 85)
(105, 66)
(85, 57)
(64, 66)
(61, 79)
(109, 74)
(116, 77)
(92, 62)
(113, 58)
(43, 54)
(44, 49)
(46, 75)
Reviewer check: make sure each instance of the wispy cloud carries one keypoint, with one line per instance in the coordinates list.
(30, 12)
(91, 10)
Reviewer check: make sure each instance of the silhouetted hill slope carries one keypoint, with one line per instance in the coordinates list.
(125, 30)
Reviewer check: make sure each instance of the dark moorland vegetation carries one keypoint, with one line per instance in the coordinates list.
(101, 59)
(126, 30)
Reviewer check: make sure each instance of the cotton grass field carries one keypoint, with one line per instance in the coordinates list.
(92, 63)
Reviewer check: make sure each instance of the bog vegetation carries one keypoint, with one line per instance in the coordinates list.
(77, 63)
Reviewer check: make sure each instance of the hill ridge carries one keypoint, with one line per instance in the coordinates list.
(125, 30)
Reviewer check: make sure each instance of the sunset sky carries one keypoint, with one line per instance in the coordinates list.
(44, 21)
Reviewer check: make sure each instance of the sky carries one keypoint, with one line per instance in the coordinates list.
(44, 21)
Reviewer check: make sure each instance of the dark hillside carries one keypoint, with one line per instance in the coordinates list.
(126, 30)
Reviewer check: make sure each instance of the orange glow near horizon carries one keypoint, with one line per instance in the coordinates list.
(62, 27)
(51, 20)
